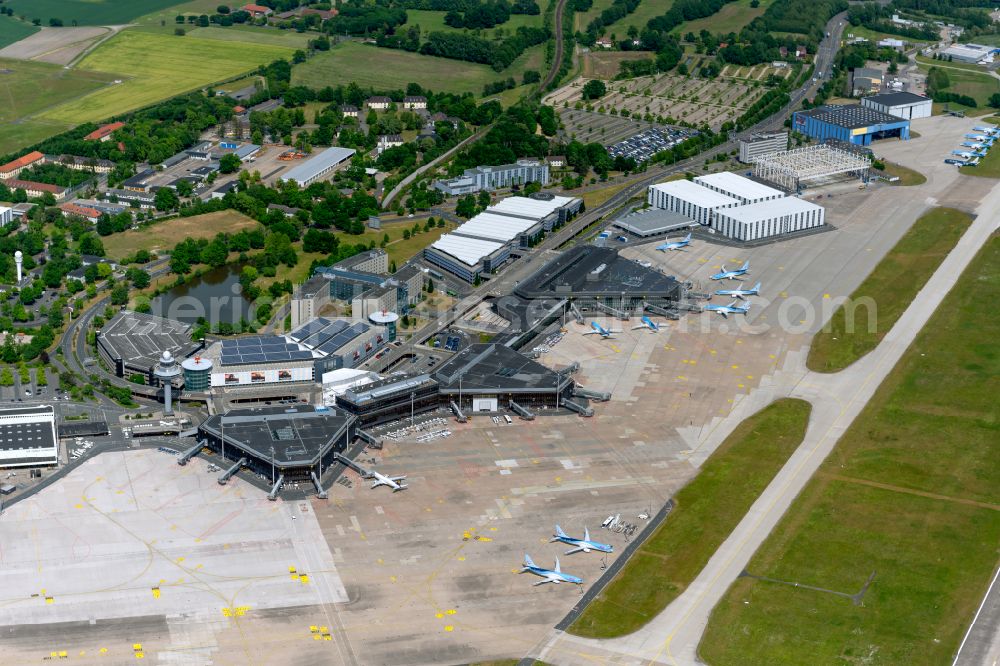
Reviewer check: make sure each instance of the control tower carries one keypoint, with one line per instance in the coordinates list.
(166, 371)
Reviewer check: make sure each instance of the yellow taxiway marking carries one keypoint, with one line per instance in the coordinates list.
(439, 615)
(449, 628)
(736, 367)
(681, 377)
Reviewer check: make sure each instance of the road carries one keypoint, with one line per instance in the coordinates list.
(672, 637)
(981, 644)
(387, 199)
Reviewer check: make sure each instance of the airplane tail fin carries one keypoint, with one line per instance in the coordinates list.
(558, 569)
(528, 562)
(688, 237)
(756, 287)
(746, 265)
(559, 531)
(586, 534)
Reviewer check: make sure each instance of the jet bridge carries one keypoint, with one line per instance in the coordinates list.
(457, 411)
(576, 313)
(593, 395)
(521, 411)
(273, 495)
(185, 457)
(663, 312)
(578, 408)
(320, 493)
(369, 439)
(228, 474)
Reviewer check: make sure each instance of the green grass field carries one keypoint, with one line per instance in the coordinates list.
(891, 286)
(581, 19)
(255, 35)
(389, 68)
(154, 67)
(24, 133)
(13, 30)
(906, 175)
(433, 21)
(646, 10)
(163, 236)
(731, 18)
(911, 492)
(707, 510)
(88, 12)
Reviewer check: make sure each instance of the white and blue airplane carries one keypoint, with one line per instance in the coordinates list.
(580, 545)
(390, 481)
(597, 329)
(740, 292)
(675, 245)
(647, 323)
(965, 154)
(991, 129)
(988, 140)
(975, 145)
(733, 274)
(726, 310)
(549, 575)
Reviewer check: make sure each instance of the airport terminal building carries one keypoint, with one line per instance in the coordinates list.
(132, 343)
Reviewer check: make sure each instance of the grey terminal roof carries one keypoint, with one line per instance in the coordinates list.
(261, 349)
(494, 368)
(653, 221)
(387, 388)
(140, 339)
(299, 434)
(589, 271)
(851, 116)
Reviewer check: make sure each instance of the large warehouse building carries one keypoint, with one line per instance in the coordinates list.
(484, 243)
(689, 199)
(28, 437)
(745, 190)
(768, 218)
(852, 123)
(319, 167)
(900, 104)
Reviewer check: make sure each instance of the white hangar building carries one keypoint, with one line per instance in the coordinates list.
(732, 185)
(769, 218)
(690, 199)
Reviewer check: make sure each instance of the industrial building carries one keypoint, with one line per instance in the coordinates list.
(865, 81)
(484, 243)
(495, 177)
(768, 218)
(745, 190)
(653, 222)
(292, 443)
(689, 199)
(762, 143)
(851, 123)
(133, 342)
(794, 169)
(977, 54)
(900, 104)
(28, 437)
(319, 166)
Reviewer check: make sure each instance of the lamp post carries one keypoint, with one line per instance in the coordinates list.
(412, 395)
(272, 465)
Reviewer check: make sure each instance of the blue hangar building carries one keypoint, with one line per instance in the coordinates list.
(850, 123)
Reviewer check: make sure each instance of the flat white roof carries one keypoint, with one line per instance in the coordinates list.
(500, 228)
(318, 163)
(469, 251)
(695, 193)
(537, 209)
(765, 210)
(738, 186)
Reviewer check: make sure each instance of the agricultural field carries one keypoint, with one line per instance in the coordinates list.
(433, 21)
(706, 511)
(59, 46)
(731, 18)
(88, 12)
(154, 67)
(162, 236)
(13, 30)
(28, 88)
(392, 69)
(910, 492)
(669, 98)
(891, 286)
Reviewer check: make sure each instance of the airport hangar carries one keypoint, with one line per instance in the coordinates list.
(133, 342)
(487, 241)
(850, 123)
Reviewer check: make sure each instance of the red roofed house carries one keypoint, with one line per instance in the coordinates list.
(103, 133)
(11, 169)
(257, 11)
(90, 214)
(324, 14)
(33, 189)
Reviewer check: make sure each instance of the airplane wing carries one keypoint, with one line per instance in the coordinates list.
(398, 488)
(397, 478)
(590, 333)
(578, 549)
(636, 328)
(544, 581)
(379, 483)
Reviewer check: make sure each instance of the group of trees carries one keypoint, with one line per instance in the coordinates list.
(498, 55)
(618, 10)
(479, 14)
(361, 19)
(877, 17)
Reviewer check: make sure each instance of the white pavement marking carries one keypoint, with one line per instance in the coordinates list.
(672, 637)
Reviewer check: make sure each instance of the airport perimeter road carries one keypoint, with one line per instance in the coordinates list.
(981, 643)
(672, 637)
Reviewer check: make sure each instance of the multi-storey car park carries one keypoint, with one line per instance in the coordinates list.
(133, 342)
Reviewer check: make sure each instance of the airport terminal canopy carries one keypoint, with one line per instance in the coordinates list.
(493, 368)
(597, 272)
(299, 435)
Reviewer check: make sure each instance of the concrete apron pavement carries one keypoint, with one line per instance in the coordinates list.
(672, 637)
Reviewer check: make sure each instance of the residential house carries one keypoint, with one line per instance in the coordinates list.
(86, 212)
(15, 167)
(287, 211)
(33, 189)
(349, 111)
(104, 132)
(387, 141)
(378, 103)
(257, 11)
(556, 161)
(414, 102)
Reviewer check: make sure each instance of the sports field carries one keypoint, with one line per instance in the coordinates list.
(163, 236)
(154, 67)
(911, 492)
(389, 68)
(87, 12)
(889, 289)
(706, 511)
(12, 30)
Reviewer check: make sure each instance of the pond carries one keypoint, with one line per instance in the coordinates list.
(215, 295)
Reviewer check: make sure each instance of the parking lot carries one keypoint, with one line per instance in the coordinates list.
(647, 143)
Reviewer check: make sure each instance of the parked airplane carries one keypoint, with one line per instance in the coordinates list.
(973, 162)
(584, 544)
(988, 140)
(390, 481)
(992, 129)
(733, 274)
(726, 310)
(740, 292)
(675, 245)
(647, 323)
(976, 145)
(549, 575)
(597, 329)
(964, 153)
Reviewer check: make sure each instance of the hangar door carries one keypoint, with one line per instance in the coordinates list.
(484, 404)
